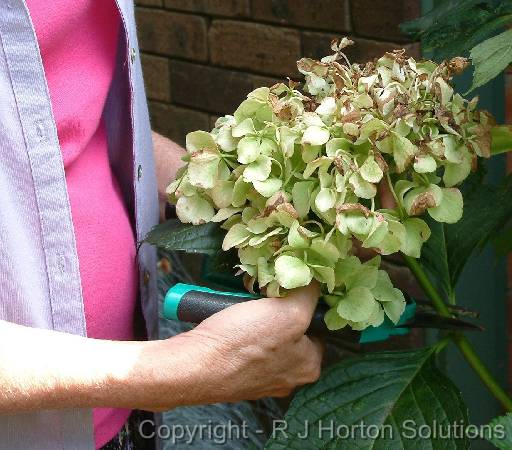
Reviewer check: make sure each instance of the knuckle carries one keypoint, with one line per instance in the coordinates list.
(299, 319)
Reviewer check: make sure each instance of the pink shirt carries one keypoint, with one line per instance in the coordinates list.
(78, 41)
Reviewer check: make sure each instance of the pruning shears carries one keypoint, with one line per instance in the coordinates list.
(192, 303)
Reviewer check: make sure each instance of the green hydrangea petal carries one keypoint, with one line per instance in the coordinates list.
(203, 168)
(416, 234)
(450, 209)
(265, 272)
(301, 196)
(334, 321)
(315, 135)
(225, 213)
(365, 276)
(424, 164)
(357, 305)
(292, 272)
(195, 210)
(394, 309)
(199, 140)
(248, 149)
(325, 199)
(240, 191)
(362, 188)
(243, 128)
(259, 170)
(371, 171)
(455, 173)
(222, 193)
(268, 187)
(236, 235)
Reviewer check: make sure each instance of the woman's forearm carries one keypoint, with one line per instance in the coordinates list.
(41, 369)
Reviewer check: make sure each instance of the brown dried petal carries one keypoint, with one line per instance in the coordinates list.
(483, 135)
(400, 110)
(458, 64)
(379, 159)
(354, 207)
(422, 202)
(249, 283)
(338, 163)
(289, 209)
(398, 55)
(352, 116)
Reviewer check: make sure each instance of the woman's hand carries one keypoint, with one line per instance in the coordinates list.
(250, 350)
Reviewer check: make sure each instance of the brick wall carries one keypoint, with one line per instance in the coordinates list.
(201, 57)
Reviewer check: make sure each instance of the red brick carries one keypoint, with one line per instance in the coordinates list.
(156, 77)
(175, 123)
(381, 18)
(260, 48)
(172, 34)
(323, 14)
(227, 8)
(208, 88)
(317, 45)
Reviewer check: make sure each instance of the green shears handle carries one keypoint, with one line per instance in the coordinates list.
(191, 303)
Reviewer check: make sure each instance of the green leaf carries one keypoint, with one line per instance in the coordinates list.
(173, 235)
(487, 209)
(499, 432)
(292, 272)
(491, 57)
(392, 391)
(502, 243)
(434, 257)
(501, 139)
(455, 26)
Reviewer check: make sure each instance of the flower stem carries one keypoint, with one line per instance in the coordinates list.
(458, 338)
(482, 371)
(427, 286)
(398, 203)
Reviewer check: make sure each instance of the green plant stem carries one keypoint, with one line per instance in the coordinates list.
(427, 286)
(482, 371)
(393, 193)
(459, 339)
